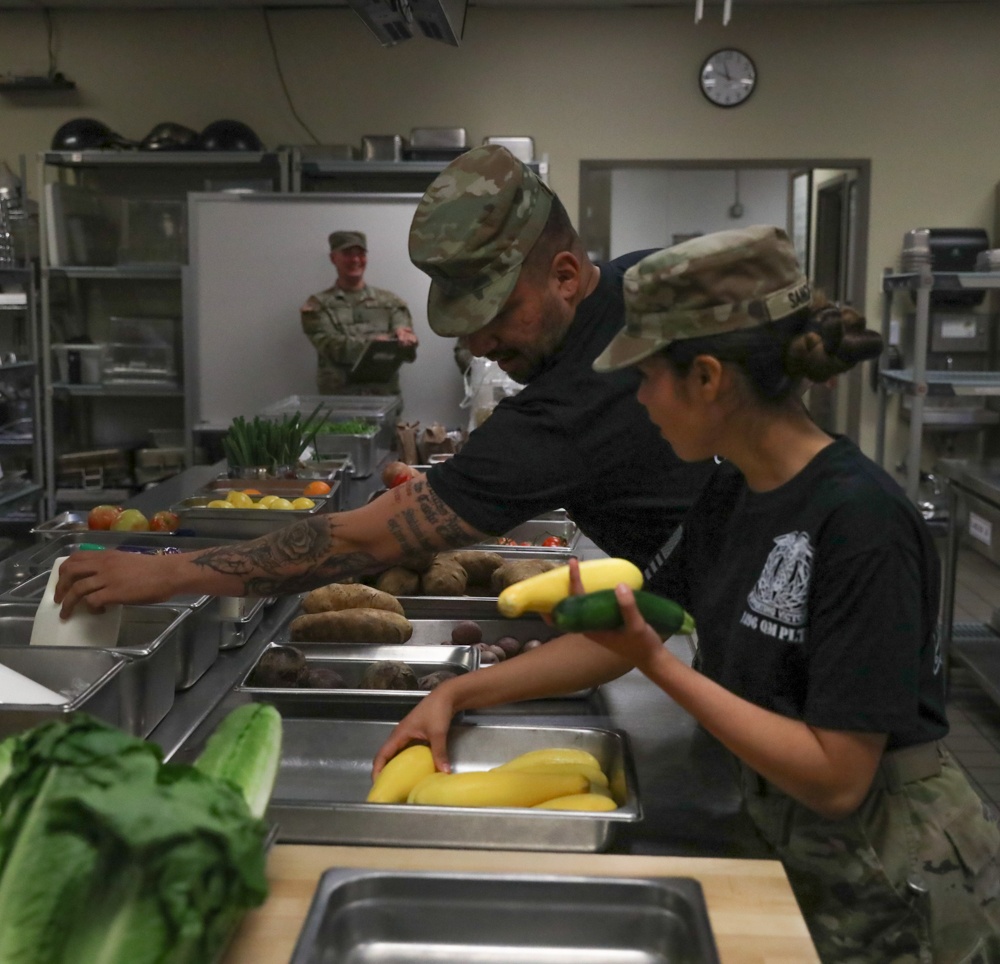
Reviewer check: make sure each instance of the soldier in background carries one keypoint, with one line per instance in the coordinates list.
(343, 319)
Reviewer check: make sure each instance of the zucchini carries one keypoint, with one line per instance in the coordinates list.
(600, 610)
(541, 593)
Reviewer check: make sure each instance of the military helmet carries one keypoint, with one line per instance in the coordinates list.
(169, 136)
(229, 135)
(86, 134)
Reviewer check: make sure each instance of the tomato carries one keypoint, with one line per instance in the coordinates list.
(553, 541)
(103, 516)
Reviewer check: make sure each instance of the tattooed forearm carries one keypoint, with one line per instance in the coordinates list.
(297, 558)
(422, 529)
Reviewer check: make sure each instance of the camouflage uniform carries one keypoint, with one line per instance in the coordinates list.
(340, 323)
(913, 875)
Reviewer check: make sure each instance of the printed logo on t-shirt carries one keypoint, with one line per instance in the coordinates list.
(778, 600)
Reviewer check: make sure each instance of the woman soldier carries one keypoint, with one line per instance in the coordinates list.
(814, 586)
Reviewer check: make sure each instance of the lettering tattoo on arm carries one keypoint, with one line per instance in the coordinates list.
(421, 529)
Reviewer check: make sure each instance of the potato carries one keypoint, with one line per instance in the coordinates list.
(374, 626)
(398, 581)
(445, 577)
(478, 564)
(321, 678)
(436, 678)
(508, 645)
(511, 572)
(338, 596)
(280, 666)
(467, 633)
(388, 674)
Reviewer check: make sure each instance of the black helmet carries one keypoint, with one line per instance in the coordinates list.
(86, 134)
(229, 135)
(170, 137)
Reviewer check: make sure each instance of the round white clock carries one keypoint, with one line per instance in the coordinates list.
(728, 77)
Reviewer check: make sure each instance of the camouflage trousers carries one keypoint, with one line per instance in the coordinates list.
(912, 877)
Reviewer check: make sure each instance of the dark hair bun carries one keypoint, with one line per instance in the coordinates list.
(834, 341)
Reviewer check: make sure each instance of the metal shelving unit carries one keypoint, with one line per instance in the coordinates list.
(113, 232)
(916, 381)
(309, 174)
(21, 442)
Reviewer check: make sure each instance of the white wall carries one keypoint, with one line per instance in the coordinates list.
(911, 87)
(648, 207)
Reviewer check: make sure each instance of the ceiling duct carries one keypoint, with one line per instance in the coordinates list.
(393, 21)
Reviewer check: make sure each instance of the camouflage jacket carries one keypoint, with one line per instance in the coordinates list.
(340, 323)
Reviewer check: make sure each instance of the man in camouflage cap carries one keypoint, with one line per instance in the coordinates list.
(345, 318)
(707, 286)
(512, 280)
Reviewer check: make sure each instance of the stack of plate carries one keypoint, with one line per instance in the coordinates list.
(988, 260)
(916, 250)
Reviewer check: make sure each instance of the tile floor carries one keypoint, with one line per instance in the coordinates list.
(974, 715)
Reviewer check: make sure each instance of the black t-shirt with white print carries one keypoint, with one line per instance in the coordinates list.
(816, 600)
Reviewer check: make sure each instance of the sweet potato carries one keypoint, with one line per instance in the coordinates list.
(398, 581)
(478, 564)
(445, 577)
(338, 596)
(511, 572)
(375, 626)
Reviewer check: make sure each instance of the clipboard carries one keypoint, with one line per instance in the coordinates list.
(380, 360)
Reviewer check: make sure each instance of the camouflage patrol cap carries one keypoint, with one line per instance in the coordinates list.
(471, 232)
(706, 286)
(347, 239)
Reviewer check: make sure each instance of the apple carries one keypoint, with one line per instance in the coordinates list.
(131, 520)
(164, 521)
(103, 516)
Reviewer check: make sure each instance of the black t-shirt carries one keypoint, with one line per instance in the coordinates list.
(817, 600)
(577, 440)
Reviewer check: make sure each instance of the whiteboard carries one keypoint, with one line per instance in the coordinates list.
(253, 261)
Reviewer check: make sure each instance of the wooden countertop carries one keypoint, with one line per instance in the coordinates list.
(752, 910)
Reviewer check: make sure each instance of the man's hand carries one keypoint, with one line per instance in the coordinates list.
(98, 579)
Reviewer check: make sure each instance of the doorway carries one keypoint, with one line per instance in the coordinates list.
(628, 205)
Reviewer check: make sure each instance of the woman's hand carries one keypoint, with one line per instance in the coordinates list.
(427, 722)
(637, 641)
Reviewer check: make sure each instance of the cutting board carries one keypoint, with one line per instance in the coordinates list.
(83, 628)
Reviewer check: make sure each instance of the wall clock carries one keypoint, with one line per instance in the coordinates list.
(728, 77)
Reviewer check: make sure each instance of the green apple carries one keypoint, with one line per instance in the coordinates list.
(131, 520)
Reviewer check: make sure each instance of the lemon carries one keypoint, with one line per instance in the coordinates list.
(267, 500)
(239, 499)
(257, 505)
(220, 504)
(280, 504)
(303, 503)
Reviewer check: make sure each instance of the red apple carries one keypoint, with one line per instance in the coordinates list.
(131, 520)
(103, 516)
(164, 521)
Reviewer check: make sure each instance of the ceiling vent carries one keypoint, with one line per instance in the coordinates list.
(393, 21)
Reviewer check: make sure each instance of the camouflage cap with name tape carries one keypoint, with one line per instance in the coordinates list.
(347, 239)
(706, 286)
(472, 231)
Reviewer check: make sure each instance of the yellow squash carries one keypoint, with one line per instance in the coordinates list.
(497, 788)
(401, 774)
(543, 592)
(579, 801)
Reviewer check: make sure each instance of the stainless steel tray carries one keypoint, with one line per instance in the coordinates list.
(198, 638)
(238, 617)
(238, 523)
(364, 916)
(91, 679)
(148, 634)
(351, 662)
(319, 794)
(219, 487)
